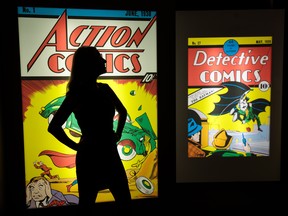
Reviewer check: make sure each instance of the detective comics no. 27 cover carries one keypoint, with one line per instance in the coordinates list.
(229, 96)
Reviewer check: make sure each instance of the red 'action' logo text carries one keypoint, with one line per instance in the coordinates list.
(117, 37)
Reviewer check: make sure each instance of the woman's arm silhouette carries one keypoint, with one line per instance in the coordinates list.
(122, 113)
(60, 117)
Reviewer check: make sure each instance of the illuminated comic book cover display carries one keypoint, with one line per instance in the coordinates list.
(229, 92)
(48, 38)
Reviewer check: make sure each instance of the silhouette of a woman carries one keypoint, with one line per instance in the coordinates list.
(98, 164)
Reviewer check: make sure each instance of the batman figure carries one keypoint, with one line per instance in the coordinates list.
(236, 102)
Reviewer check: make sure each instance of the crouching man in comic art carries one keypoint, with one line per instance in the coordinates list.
(39, 195)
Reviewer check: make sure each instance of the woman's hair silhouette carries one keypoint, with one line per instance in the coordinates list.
(98, 164)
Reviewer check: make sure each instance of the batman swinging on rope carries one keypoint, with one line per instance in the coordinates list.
(236, 102)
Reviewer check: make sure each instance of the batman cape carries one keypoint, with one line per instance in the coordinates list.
(231, 98)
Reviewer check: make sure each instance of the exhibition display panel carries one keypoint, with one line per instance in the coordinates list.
(229, 69)
(48, 38)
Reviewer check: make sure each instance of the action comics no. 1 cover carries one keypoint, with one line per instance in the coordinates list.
(229, 96)
(48, 38)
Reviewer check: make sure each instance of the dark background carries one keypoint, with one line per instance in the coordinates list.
(188, 198)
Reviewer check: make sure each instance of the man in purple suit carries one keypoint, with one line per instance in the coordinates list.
(39, 195)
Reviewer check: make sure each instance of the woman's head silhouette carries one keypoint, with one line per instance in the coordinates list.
(87, 65)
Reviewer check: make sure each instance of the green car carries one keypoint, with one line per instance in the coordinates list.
(133, 141)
